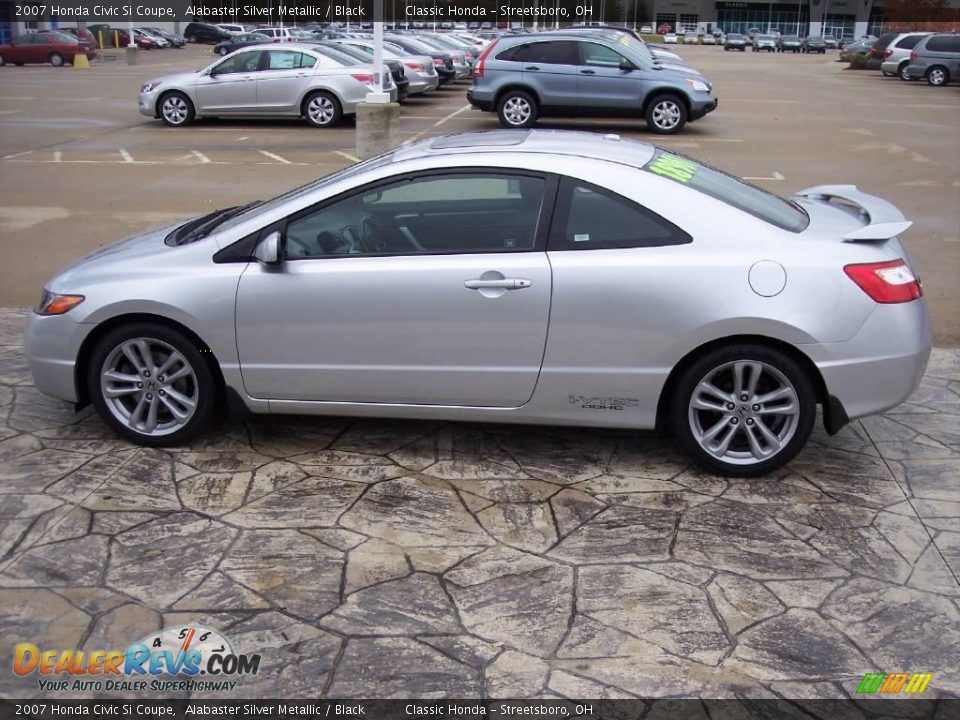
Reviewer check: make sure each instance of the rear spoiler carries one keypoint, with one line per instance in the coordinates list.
(884, 221)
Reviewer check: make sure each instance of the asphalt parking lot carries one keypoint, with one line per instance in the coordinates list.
(417, 559)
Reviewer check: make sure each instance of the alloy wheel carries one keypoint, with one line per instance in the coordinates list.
(744, 412)
(517, 110)
(937, 76)
(321, 110)
(174, 110)
(666, 114)
(149, 386)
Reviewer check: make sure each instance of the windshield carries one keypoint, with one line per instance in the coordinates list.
(731, 190)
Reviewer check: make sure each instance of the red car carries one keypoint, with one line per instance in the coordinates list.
(47, 46)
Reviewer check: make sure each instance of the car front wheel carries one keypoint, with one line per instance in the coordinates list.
(223, 51)
(151, 384)
(517, 109)
(56, 59)
(176, 109)
(743, 410)
(666, 114)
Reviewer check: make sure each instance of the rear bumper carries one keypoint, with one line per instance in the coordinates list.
(890, 66)
(480, 100)
(882, 365)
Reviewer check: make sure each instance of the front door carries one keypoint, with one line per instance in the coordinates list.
(231, 85)
(431, 290)
(601, 81)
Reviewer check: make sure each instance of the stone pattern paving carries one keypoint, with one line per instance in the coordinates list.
(420, 559)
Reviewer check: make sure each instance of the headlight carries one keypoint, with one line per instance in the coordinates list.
(55, 304)
(698, 86)
(153, 84)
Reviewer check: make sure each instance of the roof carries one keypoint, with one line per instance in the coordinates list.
(552, 142)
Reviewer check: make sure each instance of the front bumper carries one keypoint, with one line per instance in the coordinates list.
(147, 103)
(699, 107)
(52, 344)
(882, 364)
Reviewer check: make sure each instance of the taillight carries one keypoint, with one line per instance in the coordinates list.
(887, 53)
(478, 69)
(913, 55)
(886, 282)
(438, 62)
(414, 65)
(365, 78)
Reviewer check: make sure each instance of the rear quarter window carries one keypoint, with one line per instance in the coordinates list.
(717, 184)
(943, 43)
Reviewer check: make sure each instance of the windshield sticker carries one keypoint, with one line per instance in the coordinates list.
(673, 167)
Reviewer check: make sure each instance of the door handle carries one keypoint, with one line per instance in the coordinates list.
(588, 72)
(504, 284)
(532, 67)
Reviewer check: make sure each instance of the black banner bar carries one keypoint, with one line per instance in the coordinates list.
(744, 709)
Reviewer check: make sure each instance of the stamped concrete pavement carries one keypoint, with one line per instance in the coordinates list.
(415, 559)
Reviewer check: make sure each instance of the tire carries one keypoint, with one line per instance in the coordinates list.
(744, 450)
(517, 109)
(666, 114)
(223, 51)
(56, 59)
(902, 72)
(938, 76)
(322, 109)
(144, 404)
(176, 109)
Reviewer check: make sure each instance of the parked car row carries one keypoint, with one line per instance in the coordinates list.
(934, 57)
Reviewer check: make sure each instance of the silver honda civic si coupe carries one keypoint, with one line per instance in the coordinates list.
(513, 276)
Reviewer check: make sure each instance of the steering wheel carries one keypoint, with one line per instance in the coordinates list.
(371, 236)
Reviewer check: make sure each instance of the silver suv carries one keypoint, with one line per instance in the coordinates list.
(522, 78)
(936, 58)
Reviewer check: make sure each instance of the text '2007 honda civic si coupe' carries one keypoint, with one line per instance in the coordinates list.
(511, 276)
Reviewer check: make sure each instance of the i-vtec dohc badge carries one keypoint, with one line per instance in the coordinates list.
(588, 402)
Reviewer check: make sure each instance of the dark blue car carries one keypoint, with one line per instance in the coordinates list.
(240, 41)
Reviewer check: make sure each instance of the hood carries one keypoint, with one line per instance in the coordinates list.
(181, 78)
(131, 252)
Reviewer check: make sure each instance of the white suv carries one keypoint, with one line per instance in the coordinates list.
(277, 34)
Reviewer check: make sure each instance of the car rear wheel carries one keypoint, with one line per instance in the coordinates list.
(517, 109)
(322, 109)
(151, 384)
(56, 59)
(666, 114)
(176, 109)
(938, 76)
(743, 410)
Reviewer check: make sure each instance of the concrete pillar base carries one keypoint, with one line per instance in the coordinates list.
(375, 128)
(133, 56)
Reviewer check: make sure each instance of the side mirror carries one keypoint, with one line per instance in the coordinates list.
(268, 250)
(626, 64)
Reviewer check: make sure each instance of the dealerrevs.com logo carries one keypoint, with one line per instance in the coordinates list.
(168, 661)
(894, 683)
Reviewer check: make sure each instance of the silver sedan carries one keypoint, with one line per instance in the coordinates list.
(266, 81)
(510, 276)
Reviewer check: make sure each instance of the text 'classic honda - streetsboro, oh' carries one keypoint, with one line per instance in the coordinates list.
(511, 276)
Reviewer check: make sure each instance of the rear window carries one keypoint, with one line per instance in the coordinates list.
(731, 190)
(909, 42)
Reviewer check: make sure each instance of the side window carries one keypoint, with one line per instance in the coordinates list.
(588, 217)
(943, 43)
(515, 54)
(594, 54)
(244, 62)
(562, 52)
(909, 42)
(285, 60)
(435, 214)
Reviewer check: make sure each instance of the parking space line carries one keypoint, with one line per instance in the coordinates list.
(127, 157)
(730, 140)
(57, 156)
(16, 155)
(437, 124)
(9, 112)
(274, 156)
(348, 156)
(200, 156)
